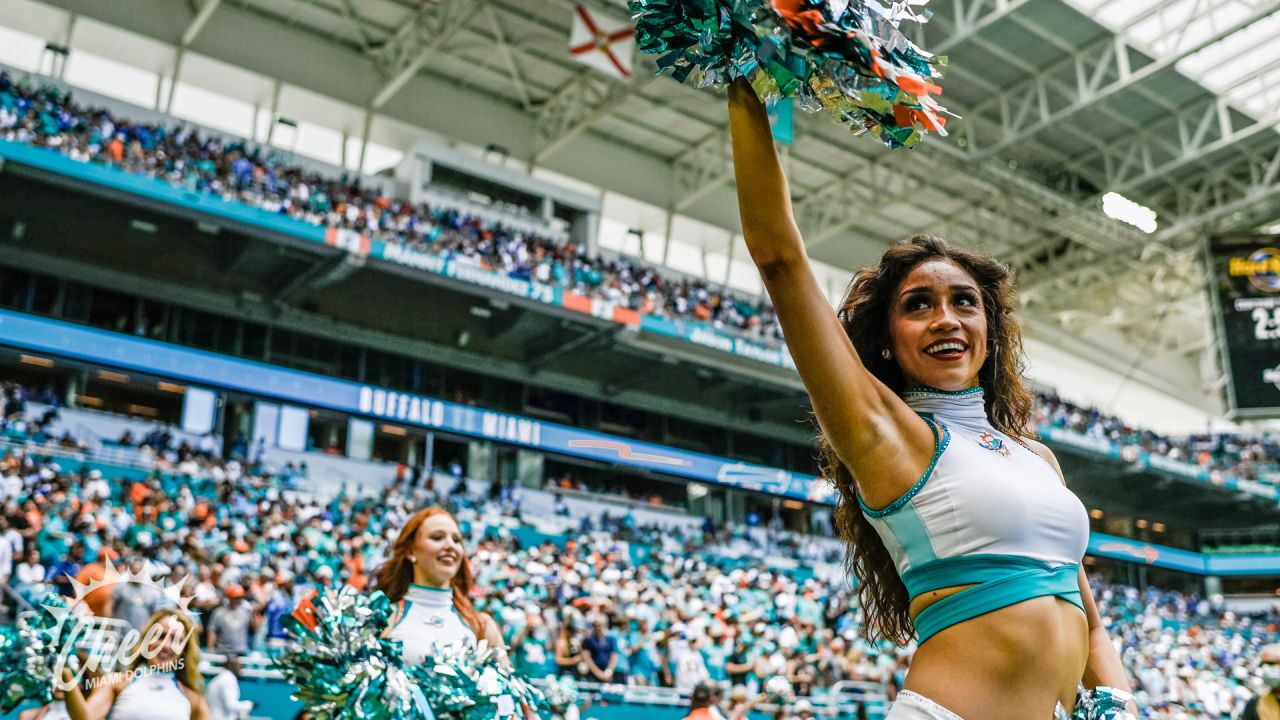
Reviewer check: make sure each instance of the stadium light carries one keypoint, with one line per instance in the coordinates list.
(1119, 207)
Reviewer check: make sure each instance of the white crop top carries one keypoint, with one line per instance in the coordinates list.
(987, 509)
(428, 619)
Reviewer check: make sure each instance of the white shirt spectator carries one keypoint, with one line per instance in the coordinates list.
(30, 574)
(15, 541)
(6, 562)
(11, 487)
(97, 488)
(223, 696)
(690, 668)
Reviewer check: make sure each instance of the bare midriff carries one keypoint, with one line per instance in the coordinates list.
(1015, 663)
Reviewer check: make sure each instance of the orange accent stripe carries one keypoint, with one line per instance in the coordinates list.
(626, 316)
(580, 303)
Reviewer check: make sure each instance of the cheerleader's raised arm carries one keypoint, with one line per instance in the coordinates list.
(874, 433)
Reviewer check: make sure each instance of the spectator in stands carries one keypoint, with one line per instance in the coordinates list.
(223, 693)
(66, 568)
(278, 607)
(1266, 706)
(135, 602)
(740, 704)
(700, 704)
(568, 651)
(6, 553)
(233, 625)
(645, 659)
(14, 402)
(600, 651)
(30, 573)
(690, 669)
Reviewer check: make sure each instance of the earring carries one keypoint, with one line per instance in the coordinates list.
(413, 559)
(887, 354)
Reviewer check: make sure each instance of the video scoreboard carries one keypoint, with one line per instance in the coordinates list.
(1245, 272)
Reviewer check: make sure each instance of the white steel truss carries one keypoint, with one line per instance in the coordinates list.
(408, 50)
(1100, 72)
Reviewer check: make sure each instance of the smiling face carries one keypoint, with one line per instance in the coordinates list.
(437, 551)
(938, 327)
(164, 642)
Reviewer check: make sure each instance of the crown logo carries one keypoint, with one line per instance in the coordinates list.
(69, 626)
(112, 577)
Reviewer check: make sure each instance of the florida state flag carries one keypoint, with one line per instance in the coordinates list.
(603, 43)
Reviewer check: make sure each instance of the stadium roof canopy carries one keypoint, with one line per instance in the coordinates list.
(1172, 103)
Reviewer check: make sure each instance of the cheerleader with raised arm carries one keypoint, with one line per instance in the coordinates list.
(959, 527)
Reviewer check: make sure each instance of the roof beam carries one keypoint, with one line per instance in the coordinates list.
(577, 106)
(971, 17)
(198, 22)
(504, 51)
(413, 45)
(1033, 101)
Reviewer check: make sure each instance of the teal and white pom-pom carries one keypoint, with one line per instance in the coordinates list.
(344, 669)
(31, 656)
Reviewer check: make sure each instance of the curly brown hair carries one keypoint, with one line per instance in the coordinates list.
(864, 312)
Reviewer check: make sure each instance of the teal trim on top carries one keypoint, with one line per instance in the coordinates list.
(1012, 587)
(941, 438)
(966, 570)
(432, 589)
(912, 535)
(405, 605)
(926, 390)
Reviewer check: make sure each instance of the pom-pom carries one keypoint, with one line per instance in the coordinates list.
(778, 689)
(345, 669)
(847, 57)
(472, 683)
(31, 660)
(1103, 703)
(342, 666)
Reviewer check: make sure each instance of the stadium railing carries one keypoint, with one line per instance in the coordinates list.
(844, 700)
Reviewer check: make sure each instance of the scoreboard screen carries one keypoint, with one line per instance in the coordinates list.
(1245, 271)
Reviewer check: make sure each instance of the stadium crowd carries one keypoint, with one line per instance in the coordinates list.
(607, 602)
(235, 170)
(1248, 457)
(46, 116)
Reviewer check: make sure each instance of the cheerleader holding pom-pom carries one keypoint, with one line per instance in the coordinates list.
(414, 649)
(916, 385)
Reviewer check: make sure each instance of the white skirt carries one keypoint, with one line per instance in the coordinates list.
(914, 706)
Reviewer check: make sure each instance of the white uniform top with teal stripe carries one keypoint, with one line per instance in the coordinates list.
(428, 619)
(988, 510)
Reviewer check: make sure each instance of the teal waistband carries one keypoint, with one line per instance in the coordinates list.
(1001, 581)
